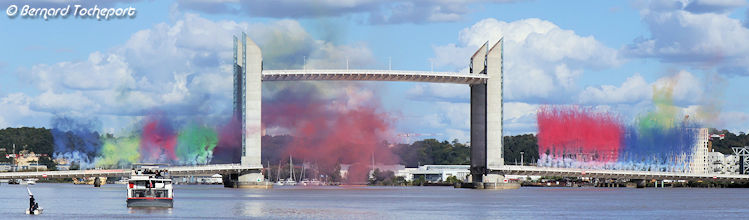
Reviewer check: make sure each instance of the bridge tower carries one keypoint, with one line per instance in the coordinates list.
(486, 115)
(248, 67)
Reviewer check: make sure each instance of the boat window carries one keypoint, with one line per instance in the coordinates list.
(161, 193)
(140, 183)
(139, 193)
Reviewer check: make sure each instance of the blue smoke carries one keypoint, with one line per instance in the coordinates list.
(658, 149)
(76, 140)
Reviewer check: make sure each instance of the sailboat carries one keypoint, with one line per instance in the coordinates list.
(38, 210)
(278, 175)
(290, 181)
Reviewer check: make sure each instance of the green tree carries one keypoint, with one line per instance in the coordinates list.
(526, 143)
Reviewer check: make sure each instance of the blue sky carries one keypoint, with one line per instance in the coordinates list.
(175, 56)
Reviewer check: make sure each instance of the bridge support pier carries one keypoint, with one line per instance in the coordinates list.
(486, 119)
(636, 183)
(253, 179)
(230, 180)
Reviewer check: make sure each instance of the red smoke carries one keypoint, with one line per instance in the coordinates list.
(229, 147)
(331, 131)
(158, 140)
(578, 132)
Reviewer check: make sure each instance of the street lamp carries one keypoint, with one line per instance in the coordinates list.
(521, 158)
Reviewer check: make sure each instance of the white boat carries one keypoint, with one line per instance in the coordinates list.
(289, 182)
(149, 187)
(37, 211)
(31, 181)
(121, 181)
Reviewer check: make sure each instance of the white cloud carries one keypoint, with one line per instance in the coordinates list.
(340, 57)
(74, 102)
(541, 62)
(518, 110)
(632, 90)
(16, 111)
(684, 33)
(457, 114)
(181, 68)
(447, 115)
(370, 11)
(686, 89)
(519, 118)
(99, 72)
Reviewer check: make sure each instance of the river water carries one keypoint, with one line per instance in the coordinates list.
(68, 201)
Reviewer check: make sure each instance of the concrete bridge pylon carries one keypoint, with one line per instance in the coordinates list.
(486, 116)
(248, 68)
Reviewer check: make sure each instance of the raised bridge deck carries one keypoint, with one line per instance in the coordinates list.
(374, 75)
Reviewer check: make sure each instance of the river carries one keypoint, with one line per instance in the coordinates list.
(68, 201)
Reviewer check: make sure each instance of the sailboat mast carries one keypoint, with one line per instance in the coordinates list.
(278, 177)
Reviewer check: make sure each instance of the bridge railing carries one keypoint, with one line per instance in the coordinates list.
(64, 174)
(174, 171)
(625, 174)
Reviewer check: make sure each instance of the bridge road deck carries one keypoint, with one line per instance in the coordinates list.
(198, 170)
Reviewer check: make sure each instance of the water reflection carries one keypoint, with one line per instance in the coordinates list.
(149, 210)
(250, 209)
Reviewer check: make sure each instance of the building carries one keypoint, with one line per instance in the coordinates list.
(384, 168)
(439, 173)
(699, 162)
(62, 163)
(6, 167)
(722, 164)
(29, 161)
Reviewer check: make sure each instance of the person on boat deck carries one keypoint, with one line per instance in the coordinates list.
(31, 203)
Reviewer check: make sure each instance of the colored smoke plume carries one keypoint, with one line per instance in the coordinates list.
(229, 146)
(76, 140)
(155, 139)
(119, 152)
(663, 116)
(660, 139)
(195, 144)
(579, 132)
(158, 139)
(347, 128)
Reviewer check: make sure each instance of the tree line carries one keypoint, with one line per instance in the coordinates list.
(730, 140)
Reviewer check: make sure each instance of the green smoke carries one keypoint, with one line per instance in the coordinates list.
(664, 116)
(195, 144)
(118, 151)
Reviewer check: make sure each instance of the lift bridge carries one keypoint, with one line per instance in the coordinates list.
(485, 79)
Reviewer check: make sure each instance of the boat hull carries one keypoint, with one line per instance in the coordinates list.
(150, 202)
(38, 211)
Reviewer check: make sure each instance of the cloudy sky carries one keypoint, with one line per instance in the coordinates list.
(175, 56)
